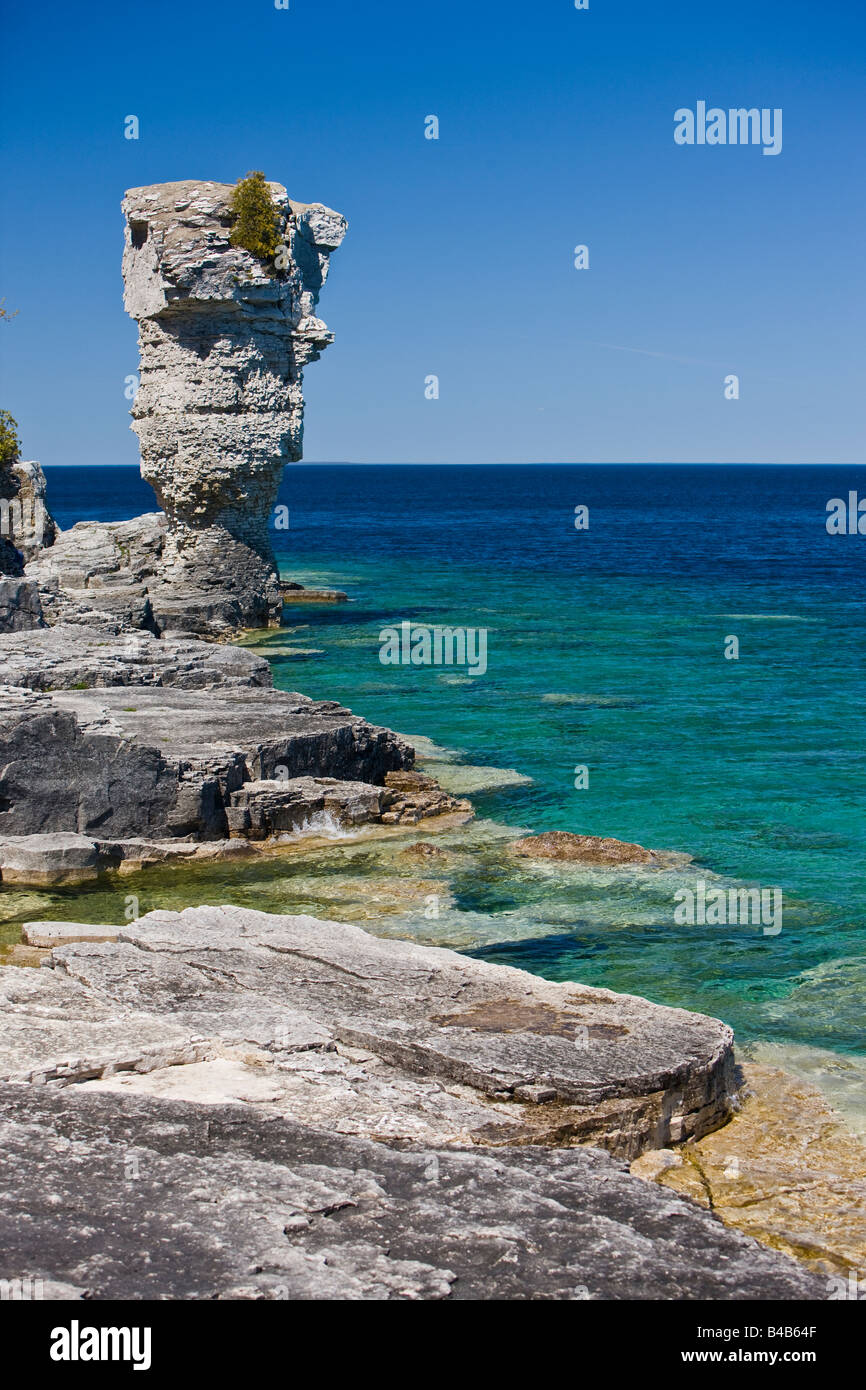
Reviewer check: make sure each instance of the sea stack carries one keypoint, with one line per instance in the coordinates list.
(223, 338)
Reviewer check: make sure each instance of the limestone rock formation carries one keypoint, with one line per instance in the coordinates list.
(224, 339)
(20, 608)
(466, 1052)
(162, 761)
(69, 657)
(235, 1202)
(26, 526)
(98, 574)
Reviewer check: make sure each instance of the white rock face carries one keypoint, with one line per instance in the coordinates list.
(224, 339)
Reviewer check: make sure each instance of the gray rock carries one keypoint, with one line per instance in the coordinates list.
(20, 609)
(163, 762)
(98, 573)
(530, 1059)
(46, 934)
(265, 808)
(165, 1199)
(66, 657)
(61, 858)
(25, 524)
(224, 339)
(38, 861)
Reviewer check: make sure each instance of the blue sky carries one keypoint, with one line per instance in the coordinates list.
(556, 128)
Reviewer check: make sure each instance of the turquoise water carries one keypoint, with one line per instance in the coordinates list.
(755, 767)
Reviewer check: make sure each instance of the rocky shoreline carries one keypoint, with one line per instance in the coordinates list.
(226, 1103)
(348, 1117)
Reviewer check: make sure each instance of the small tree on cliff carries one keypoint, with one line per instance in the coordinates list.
(256, 224)
(10, 445)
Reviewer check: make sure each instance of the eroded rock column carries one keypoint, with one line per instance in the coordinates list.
(224, 339)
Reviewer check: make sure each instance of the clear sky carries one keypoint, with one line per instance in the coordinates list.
(556, 129)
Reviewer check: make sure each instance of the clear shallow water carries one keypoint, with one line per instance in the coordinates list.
(605, 648)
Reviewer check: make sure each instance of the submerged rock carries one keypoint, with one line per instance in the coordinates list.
(786, 1171)
(582, 849)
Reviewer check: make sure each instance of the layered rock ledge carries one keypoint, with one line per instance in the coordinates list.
(168, 1199)
(310, 1112)
(99, 768)
(530, 1060)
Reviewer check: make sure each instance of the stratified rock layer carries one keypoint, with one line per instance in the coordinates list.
(247, 1106)
(224, 339)
(511, 1059)
(162, 761)
(785, 1170)
(25, 524)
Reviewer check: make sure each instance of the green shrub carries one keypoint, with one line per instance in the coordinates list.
(256, 223)
(10, 445)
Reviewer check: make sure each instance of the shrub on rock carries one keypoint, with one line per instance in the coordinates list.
(256, 226)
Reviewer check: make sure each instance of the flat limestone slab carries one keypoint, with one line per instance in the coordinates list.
(533, 1060)
(114, 1197)
(69, 656)
(59, 933)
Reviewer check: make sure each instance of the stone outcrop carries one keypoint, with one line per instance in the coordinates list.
(20, 608)
(263, 809)
(64, 858)
(224, 339)
(515, 1059)
(172, 1199)
(68, 657)
(161, 761)
(98, 574)
(26, 526)
(313, 1112)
